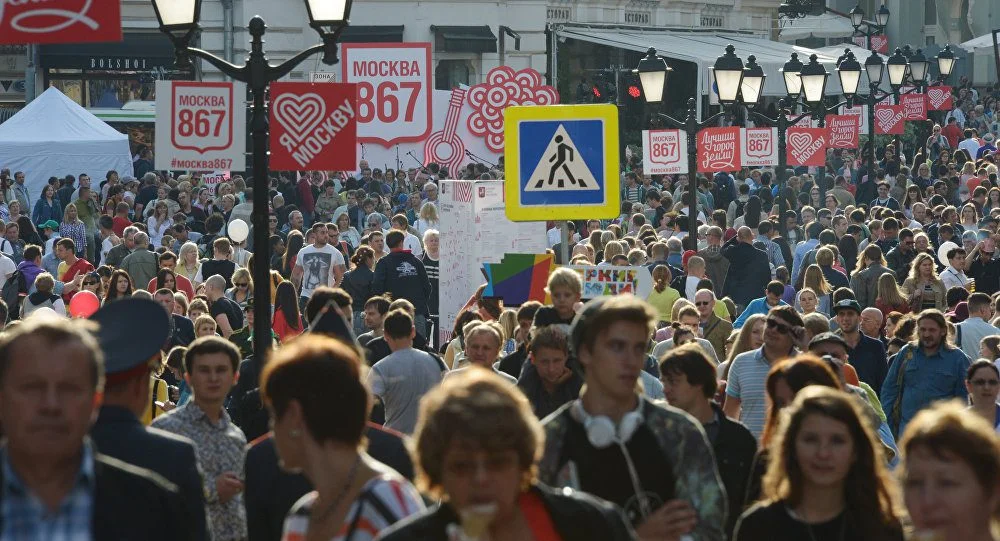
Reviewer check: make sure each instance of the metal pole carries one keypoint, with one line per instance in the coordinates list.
(692, 135)
(871, 131)
(262, 263)
(782, 166)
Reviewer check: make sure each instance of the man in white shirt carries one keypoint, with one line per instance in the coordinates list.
(7, 267)
(695, 274)
(318, 264)
(970, 144)
(969, 333)
(954, 274)
(410, 241)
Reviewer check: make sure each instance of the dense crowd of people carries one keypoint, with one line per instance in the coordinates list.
(816, 361)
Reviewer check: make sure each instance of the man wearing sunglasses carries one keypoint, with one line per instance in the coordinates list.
(983, 268)
(745, 390)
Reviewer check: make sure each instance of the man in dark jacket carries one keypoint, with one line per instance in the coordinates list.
(901, 257)
(755, 271)
(404, 276)
(549, 381)
(689, 383)
(130, 335)
(50, 435)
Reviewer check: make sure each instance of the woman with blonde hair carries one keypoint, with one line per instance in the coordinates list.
(188, 263)
(242, 290)
(508, 322)
(806, 301)
(612, 249)
(663, 297)
(751, 336)
(814, 279)
(950, 474)
(473, 427)
(428, 218)
(923, 288)
(159, 223)
(826, 478)
(889, 297)
(347, 231)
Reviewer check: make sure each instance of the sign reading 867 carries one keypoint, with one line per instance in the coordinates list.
(394, 90)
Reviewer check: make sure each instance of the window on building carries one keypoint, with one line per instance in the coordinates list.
(930, 13)
(451, 73)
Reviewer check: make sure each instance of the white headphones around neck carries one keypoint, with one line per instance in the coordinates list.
(602, 431)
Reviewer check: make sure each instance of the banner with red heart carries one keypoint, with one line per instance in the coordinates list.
(314, 126)
(914, 106)
(806, 146)
(844, 131)
(719, 150)
(879, 44)
(939, 98)
(889, 119)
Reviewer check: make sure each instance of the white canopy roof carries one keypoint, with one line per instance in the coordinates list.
(704, 48)
(54, 137)
(826, 25)
(986, 40)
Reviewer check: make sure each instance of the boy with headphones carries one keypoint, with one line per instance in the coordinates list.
(653, 461)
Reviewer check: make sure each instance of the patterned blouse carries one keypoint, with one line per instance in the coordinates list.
(76, 231)
(383, 501)
(220, 447)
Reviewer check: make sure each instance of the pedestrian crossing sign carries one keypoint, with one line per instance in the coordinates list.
(561, 162)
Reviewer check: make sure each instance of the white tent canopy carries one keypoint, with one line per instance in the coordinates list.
(986, 40)
(826, 25)
(54, 137)
(704, 48)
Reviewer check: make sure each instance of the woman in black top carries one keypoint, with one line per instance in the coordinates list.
(827, 481)
(294, 243)
(357, 283)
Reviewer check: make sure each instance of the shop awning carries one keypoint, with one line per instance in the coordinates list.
(703, 48)
(137, 52)
(464, 39)
(372, 34)
(826, 25)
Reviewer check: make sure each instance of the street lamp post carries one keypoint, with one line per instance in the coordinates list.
(653, 71)
(872, 28)
(899, 69)
(179, 20)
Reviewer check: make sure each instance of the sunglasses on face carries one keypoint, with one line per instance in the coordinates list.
(242, 285)
(773, 324)
(88, 283)
(702, 303)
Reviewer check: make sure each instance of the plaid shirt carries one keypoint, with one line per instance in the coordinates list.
(27, 518)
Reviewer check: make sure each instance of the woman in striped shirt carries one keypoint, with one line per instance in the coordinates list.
(355, 496)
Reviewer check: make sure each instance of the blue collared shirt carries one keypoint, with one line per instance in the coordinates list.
(926, 379)
(27, 518)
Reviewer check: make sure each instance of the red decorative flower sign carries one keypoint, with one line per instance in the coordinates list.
(889, 119)
(504, 87)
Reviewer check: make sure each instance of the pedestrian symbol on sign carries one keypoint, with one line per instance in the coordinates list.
(561, 167)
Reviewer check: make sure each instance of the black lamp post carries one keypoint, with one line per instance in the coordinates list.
(179, 20)
(901, 70)
(871, 28)
(729, 73)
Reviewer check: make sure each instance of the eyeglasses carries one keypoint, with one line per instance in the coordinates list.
(241, 285)
(773, 324)
(985, 382)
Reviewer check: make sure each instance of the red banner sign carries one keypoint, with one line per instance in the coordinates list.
(844, 131)
(806, 146)
(314, 126)
(879, 44)
(718, 150)
(889, 119)
(939, 98)
(60, 21)
(914, 106)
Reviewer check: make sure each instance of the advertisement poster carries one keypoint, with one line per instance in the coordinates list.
(313, 126)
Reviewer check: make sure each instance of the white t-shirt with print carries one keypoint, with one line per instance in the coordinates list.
(317, 267)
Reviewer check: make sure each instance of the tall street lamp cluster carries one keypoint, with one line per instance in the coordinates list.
(805, 85)
(871, 28)
(179, 20)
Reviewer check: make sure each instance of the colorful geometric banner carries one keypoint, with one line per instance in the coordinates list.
(518, 278)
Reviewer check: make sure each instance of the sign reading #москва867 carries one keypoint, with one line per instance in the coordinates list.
(200, 126)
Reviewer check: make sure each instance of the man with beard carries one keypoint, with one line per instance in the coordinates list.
(929, 369)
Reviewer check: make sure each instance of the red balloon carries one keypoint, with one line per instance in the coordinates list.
(84, 304)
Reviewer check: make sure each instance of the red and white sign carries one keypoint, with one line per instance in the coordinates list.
(859, 111)
(503, 88)
(806, 121)
(806, 146)
(200, 126)
(212, 179)
(844, 131)
(59, 21)
(664, 152)
(879, 44)
(314, 126)
(718, 150)
(889, 119)
(394, 90)
(914, 106)
(939, 98)
(759, 147)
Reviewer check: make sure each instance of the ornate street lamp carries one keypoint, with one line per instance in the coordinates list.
(753, 82)
(728, 71)
(652, 71)
(814, 77)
